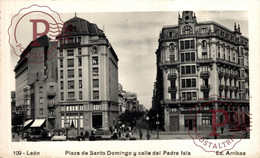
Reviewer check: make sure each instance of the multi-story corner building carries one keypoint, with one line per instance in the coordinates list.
(13, 109)
(36, 82)
(197, 60)
(87, 77)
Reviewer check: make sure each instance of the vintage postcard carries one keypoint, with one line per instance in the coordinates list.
(132, 79)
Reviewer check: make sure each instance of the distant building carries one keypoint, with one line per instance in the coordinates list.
(87, 77)
(13, 109)
(196, 60)
(36, 82)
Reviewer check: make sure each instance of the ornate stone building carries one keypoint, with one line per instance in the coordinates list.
(197, 60)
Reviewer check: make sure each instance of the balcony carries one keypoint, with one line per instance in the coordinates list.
(226, 75)
(227, 88)
(170, 63)
(231, 76)
(172, 89)
(205, 60)
(204, 74)
(232, 88)
(51, 105)
(51, 94)
(235, 88)
(220, 74)
(205, 87)
(172, 76)
(221, 87)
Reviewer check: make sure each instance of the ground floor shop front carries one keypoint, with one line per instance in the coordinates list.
(184, 117)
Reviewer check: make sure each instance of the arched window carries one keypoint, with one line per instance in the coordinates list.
(187, 30)
(171, 46)
(204, 44)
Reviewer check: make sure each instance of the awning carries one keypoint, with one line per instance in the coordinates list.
(38, 123)
(26, 123)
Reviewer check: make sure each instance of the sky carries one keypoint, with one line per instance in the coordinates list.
(134, 37)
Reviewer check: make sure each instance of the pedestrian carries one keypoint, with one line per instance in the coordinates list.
(222, 130)
(111, 130)
(148, 135)
(140, 134)
(86, 134)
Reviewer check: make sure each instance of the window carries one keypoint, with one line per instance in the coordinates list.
(172, 58)
(61, 73)
(95, 72)
(189, 95)
(171, 34)
(79, 51)
(204, 44)
(95, 83)
(95, 60)
(188, 83)
(79, 39)
(80, 61)
(69, 40)
(61, 63)
(80, 83)
(206, 120)
(80, 107)
(187, 57)
(61, 84)
(61, 96)
(205, 69)
(70, 62)
(96, 107)
(204, 55)
(71, 95)
(61, 52)
(70, 52)
(171, 46)
(187, 44)
(80, 72)
(95, 94)
(203, 30)
(242, 73)
(71, 73)
(41, 100)
(41, 111)
(218, 51)
(187, 30)
(205, 94)
(70, 84)
(41, 89)
(186, 70)
(242, 62)
(80, 95)
(173, 96)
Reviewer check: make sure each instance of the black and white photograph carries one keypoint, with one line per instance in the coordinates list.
(177, 78)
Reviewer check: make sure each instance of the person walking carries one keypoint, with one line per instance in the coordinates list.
(222, 130)
(140, 134)
(148, 135)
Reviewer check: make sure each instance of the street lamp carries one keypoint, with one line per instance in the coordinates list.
(147, 120)
(157, 123)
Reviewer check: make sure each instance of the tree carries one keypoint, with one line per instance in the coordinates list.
(130, 117)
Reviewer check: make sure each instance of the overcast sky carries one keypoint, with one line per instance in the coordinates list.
(134, 37)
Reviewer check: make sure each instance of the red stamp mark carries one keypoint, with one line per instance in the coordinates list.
(219, 123)
(35, 27)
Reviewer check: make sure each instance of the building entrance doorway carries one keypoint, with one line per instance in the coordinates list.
(97, 121)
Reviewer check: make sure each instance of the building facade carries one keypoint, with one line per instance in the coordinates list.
(197, 60)
(35, 81)
(87, 77)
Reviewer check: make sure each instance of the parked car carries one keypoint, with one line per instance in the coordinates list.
(37, 134)
(58, 136)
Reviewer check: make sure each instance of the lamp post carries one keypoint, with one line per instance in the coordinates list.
(157, 123)
(147, 120)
